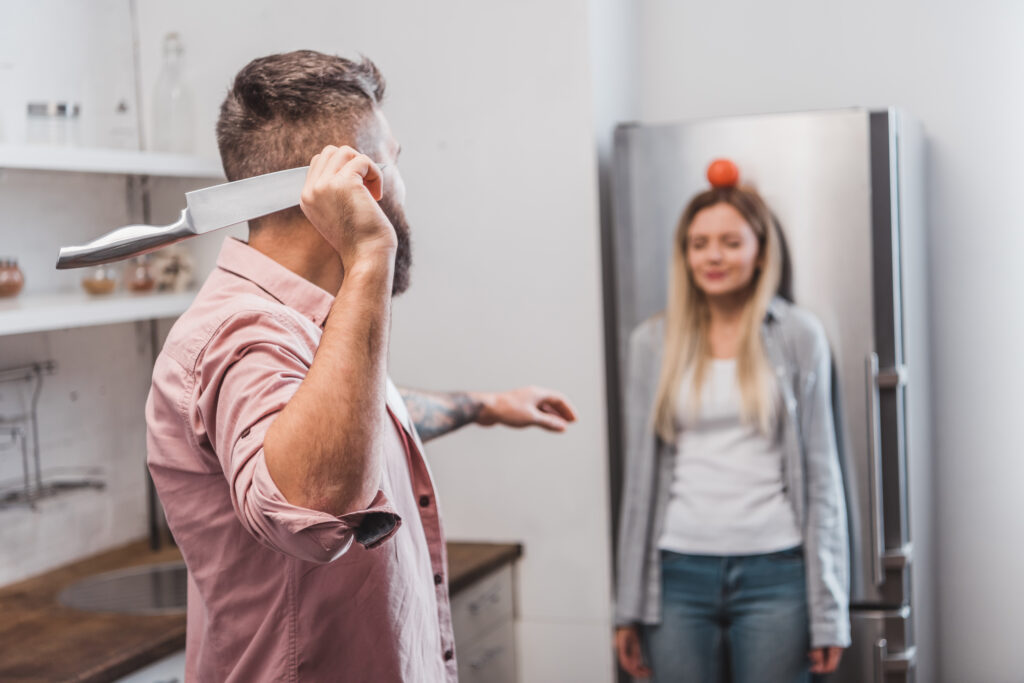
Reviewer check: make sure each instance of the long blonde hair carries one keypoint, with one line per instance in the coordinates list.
(687, 319)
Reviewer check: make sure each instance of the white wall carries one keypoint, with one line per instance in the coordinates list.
(957, 67)
(492, 104)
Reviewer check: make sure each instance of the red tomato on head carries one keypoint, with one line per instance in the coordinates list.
(723, 173)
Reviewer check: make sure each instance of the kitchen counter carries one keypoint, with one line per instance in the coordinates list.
(44, 641)
(469, 562)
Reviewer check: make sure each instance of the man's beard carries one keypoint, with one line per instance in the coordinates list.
(403, 256)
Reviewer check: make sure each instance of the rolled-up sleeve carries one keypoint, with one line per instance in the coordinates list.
(253, 365)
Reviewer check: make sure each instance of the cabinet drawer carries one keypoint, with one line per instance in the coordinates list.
(483, 604)
(491, 658)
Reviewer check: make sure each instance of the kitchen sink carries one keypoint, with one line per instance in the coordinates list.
(150, 589)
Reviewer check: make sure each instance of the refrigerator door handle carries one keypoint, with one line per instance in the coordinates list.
(881, 654)
(892, 378)
(898, 558)
(897, 663)
(875, 472)
(901, 662)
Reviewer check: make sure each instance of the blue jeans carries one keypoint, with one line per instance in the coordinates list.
(740, 618)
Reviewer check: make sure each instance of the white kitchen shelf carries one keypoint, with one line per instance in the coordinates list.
(114, 161)
(41, 312)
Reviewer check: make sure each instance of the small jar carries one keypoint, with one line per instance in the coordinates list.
(53, 123)
(99, 281)
(137, 277)
(11, 278)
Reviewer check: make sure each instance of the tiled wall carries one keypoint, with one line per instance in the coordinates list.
(90, 424)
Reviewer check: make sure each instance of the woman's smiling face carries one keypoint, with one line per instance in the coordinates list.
(722, 251)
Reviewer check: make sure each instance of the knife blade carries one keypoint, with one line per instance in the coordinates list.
(211, 208)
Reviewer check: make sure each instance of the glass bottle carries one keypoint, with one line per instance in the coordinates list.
(123, 132)
(172, 102)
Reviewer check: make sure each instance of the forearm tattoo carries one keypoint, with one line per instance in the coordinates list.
(437, 414)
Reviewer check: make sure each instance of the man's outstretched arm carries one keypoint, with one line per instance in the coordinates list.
(435, 414)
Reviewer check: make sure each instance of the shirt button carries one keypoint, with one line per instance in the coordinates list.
(438, 579)
(448, 654)
(424, 501)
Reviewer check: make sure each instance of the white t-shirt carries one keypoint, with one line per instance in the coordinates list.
(728, 492)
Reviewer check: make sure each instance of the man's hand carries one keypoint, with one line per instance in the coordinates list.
(631, 659)
(526, 407)
(824, 660)
(436, 414)
(340, 200)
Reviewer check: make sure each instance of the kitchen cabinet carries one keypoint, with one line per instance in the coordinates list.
(170, 669)
(483, 617)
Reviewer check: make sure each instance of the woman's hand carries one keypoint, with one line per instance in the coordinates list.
(631, 659)
(824, 660)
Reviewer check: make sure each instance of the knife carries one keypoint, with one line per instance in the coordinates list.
(208, 209)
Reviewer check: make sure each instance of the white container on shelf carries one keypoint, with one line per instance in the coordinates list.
(55, 124)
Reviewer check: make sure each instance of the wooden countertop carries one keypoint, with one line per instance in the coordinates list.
(468, 562)
(43, 641)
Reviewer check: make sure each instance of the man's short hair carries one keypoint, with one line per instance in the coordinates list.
(283, 109)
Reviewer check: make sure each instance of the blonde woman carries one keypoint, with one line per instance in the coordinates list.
(733, 559)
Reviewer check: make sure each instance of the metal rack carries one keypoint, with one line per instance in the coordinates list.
(22, 428)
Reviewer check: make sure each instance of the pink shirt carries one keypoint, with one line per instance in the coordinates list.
(278, 592)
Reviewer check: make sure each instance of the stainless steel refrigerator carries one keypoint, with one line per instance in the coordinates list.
(848, 189)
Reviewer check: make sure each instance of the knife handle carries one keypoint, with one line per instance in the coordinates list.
(122, 243)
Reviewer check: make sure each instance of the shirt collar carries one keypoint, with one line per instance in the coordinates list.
(291, 289)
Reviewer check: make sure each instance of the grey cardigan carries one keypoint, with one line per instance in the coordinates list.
(797, 348)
